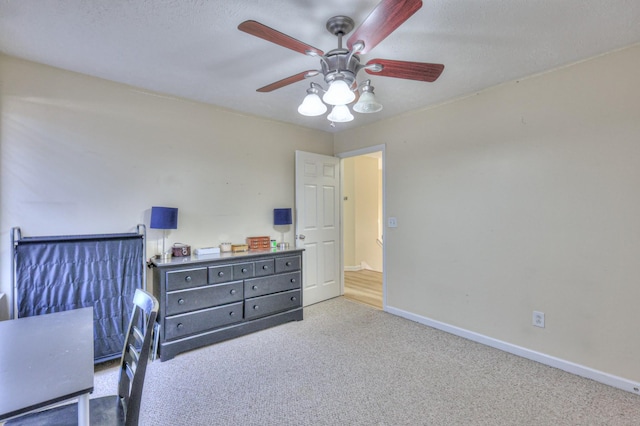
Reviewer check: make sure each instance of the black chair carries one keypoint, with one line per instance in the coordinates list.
(124, 408)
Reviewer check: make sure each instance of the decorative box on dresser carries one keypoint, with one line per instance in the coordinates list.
(207, 299)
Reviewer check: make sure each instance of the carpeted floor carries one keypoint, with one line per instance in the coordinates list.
(350, 364)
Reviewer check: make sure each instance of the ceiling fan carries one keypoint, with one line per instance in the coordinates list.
(341, 66)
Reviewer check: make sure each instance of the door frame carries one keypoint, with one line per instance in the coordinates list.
(357, 153)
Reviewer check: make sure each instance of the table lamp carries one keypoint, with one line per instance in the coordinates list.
(282, 217)
(164, 218)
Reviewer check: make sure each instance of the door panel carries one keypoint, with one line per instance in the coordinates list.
(318, 224)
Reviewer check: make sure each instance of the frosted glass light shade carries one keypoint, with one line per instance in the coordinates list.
(367, 104)
(312, 105)
(340, 114)
(339, 93)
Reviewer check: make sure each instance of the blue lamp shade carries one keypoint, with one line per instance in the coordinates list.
(282, 216)
(164, 218)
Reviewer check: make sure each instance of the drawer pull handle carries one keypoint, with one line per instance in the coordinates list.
(255, 307)
(231, 313)
(233, 291)
(293, 280)
(265, 267)
(180, 326)
(288, 263)
(293, 298)
(220, 274)
(255, 287)
(180, 301)
(188, 278)
(244, 270)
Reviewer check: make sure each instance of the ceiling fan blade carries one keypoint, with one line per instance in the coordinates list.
(382, 21)
(420, 71)
(260, 30)
(287, 81)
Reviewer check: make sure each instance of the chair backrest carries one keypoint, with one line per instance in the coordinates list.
(135, 354)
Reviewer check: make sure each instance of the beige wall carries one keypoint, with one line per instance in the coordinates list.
(83, 155)
(362, 209)
(367, 210)
(523, 197)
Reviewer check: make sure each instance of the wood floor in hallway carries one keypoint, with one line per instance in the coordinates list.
(364, 286)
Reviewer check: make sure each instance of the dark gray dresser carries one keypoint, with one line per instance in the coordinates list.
(207, 299)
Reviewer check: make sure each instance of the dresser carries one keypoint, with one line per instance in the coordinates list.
(207, 299)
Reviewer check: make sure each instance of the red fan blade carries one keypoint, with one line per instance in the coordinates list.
(260, 30)
(382, 21)
(420, 71)
(287, 81)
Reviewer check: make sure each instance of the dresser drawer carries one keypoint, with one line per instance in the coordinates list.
(264, 267)
(242, 271)
(267, 305)
(203, 297)
(271, 284)
(186, 278)
(206, 319)
(220, 274)
(286, 264)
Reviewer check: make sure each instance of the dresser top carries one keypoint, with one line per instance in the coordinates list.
(248, 255)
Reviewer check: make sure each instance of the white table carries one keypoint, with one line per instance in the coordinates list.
(46, 359)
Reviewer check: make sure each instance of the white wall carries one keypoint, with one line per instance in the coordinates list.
(83, 155)
(523, 197)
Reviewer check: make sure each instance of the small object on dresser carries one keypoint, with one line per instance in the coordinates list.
(258, 243)
(237, 248)
(203, 251)
(181, 250)
(225, 247)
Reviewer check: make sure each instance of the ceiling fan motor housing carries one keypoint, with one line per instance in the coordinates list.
(340, 64)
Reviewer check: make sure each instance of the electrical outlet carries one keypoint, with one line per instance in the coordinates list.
(392, 222)
(538, 319)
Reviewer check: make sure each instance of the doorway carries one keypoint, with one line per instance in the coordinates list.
(363, 225)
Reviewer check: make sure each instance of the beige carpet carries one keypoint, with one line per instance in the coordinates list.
(350, 364)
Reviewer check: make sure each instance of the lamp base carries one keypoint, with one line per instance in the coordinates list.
(165, 256)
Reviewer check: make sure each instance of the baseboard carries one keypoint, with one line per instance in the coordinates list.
(568, 366)
(353, 268)
(362, 267)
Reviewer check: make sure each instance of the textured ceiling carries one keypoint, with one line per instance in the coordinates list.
(192, 48)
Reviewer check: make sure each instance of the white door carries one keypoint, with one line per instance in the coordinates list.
(318, 225)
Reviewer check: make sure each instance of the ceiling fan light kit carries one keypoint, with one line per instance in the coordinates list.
(312, 105)
(340, 114)
(367, 103)
(339, 93)
(340, 67)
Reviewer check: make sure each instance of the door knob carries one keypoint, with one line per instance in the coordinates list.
(301, 237)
